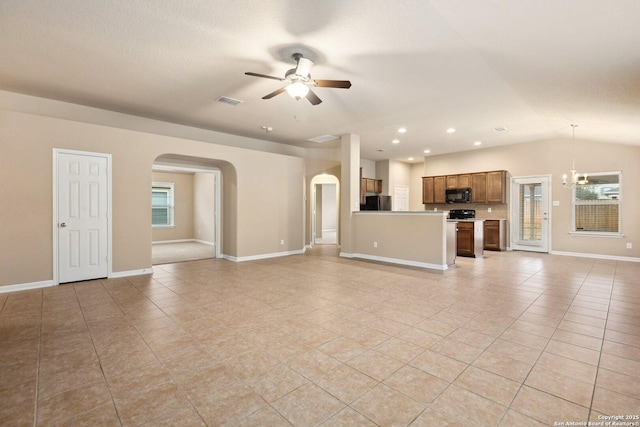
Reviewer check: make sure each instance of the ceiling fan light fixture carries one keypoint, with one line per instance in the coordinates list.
(297, 90)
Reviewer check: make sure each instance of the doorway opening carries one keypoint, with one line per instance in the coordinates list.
(185, 213)
(325, 210)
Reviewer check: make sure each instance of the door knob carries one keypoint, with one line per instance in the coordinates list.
(63, 225)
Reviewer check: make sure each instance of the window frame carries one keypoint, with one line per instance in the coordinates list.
(618, 202)
(170, 189)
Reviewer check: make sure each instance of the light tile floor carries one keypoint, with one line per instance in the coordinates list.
(513, 339)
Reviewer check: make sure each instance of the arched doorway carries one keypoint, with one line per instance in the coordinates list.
(199, 234)
(325, 210)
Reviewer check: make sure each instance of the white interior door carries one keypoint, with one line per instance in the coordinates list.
(82, 217)
(400, 198)
(530, 213)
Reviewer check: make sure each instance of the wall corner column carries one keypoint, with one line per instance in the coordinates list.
(349, 190)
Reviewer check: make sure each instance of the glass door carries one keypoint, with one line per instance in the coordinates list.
(530, 213)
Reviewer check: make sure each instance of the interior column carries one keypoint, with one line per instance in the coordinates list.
(349, 190)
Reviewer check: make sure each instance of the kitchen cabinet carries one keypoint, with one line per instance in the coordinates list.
(469, 238)
(479, 187)
(486, 187)
(439, 187)
(373, 185)
(377, 186)
(464, 181)
(495, 235)
(452, 181)
(427, 189)
(496, 187)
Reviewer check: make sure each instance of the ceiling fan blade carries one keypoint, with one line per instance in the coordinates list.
(342, 84)
(313, 98)
(263, 76)
(274, 93)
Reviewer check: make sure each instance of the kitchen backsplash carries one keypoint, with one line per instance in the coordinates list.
(498, 211)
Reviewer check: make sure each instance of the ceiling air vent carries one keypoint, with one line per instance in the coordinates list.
(323, 138)
(227, 100)
(500, 129)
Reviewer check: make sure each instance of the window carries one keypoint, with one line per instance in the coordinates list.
(596, 205)
(162, 204)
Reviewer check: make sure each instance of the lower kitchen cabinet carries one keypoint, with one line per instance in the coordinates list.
(469, 237)
(495, 235)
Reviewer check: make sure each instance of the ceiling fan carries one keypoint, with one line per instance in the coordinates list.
(299, 81)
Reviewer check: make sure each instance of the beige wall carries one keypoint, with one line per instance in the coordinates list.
(183, 207)
(262, 192)
(553, 157)
(415, 187)
(204, 207)
(409, 237)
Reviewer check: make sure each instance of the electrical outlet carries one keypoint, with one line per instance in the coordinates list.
(375, 244)
(282, 242)
(488, 209)
(629, 245)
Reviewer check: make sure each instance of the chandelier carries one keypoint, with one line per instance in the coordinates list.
(576, 178)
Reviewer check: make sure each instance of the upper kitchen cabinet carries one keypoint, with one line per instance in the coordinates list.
(479, 187)
(496, 187)
(439, 187)
(464, 181)
(486, 187)
(427, 189)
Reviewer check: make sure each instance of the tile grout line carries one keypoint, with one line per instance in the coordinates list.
(604, 332)
(35, 410)
(93, 344)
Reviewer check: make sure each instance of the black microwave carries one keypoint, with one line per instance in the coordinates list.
(458, 195)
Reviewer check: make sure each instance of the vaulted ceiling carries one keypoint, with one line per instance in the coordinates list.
(530, 66)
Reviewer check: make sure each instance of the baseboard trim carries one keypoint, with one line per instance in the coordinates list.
(27, 286)
(162, 242)
(586, 255)
(395, 261)
(204, 242)
(119, 274)
(262, 256)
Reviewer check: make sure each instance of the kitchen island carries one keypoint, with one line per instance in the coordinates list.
(419, 239)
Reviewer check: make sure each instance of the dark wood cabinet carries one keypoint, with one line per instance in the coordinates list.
(469, 236)
(427, 189)
(496, 187)
(439, 187)
(479, 187)
(495, 235)
(465, 239)
(452, 181)
(464, 181)
(486, 187)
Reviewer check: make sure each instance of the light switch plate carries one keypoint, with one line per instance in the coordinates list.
(556, 203)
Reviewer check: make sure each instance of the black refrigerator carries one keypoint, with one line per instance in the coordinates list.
(376, 203)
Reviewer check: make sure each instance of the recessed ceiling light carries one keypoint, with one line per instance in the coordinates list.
(395, 141)
(402, 130)
(451, 130)
(410, 159)
(426, 151)
(500, 129)
(477, 143)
